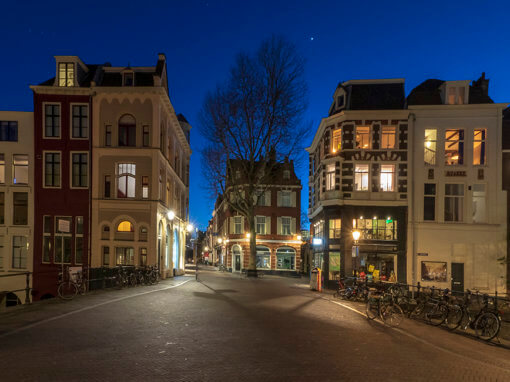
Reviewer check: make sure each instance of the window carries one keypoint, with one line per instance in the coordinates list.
(63, 238)
(9, 131)
(80, 170)
(125, 256)
(52, 121)
(376, 229)
(429, 202)
(108, 135)
(238, 225)
(19, 252)
(479, 203)
(363, 137)
(52, 169)
(129, 79)
(260, 225)
(65, 74)
(361, 177)
(340, 101)
(286, 199)
(388, 137)
(285, 258)
(47, 225)
(454, 147)
(263, 258)
(105, 233)
(286, 230)
(127, 131)
(126, 184)
(456, 95)
(286, 174)
(335, 228)
(20, 208)
(387, 177)
(479, 138)
(78, 248)
(106, 255)
(143, 257)
(318, 229)
(2, 208)
(145, 188)
(125, 226)
(430, 146)
(454, 203)
(20, 169)
(80, 121)
(2, 169)
(145, 138)
(337, 140)
(143, 234)
(107, 186)
(330, 177)
(2, 238)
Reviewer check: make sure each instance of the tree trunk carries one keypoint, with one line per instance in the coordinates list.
(252, 264)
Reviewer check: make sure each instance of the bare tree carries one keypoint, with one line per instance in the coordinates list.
(251, 122)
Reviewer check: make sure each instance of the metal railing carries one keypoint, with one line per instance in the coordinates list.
(27, 287)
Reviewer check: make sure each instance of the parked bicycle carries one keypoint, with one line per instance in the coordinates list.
(382, 304)
(69, 285)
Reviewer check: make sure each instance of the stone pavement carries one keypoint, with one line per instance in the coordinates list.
(229, 328)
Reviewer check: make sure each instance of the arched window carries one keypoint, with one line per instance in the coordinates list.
(286, 258)
(263, 258)
(127, 130)
(143, 234)
(125, 226)
(105, 232)
(126, 181)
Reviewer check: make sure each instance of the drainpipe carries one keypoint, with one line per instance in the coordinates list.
(412, 231)
(89, 250)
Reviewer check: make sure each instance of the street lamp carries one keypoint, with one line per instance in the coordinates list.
(170, 215)
(189, 227)
(220, 240)
(355, 250)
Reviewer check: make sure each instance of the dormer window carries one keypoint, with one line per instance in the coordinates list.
(340, 100)
(65, 74)
(129, 79)
(456, 92)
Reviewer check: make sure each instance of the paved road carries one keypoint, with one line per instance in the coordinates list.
(227, 328)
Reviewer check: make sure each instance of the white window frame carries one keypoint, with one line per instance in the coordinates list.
(336, 139)
(288, 194)
(44, 119)
(484, 220)
(433, 142)
(386, 184)
(22, 251)
(330, 177)
(257, 223)
(361, 189)
(383, 134)
(460, 143)
(238, 223)
(462, 207)
(369, 138)
(117, 178)
(14, 171)
(284, 231)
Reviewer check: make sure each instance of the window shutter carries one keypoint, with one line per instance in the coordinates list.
(232, 224)
(293, 199)
(268, 225)
(268, 198)
(279, 225)
(279, 199)
(293, 226)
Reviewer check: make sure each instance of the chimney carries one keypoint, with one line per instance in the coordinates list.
(483, 84)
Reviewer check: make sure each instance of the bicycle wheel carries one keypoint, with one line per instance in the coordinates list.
(437, 314)
(392, 315)
(487, 326)
(118, 282)
(454, 317)
(372, 308)
(67, 290)
(132, 280)
(82, 288)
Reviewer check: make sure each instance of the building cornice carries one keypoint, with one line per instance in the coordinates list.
(61, 90)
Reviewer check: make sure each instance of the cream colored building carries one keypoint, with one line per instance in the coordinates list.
(16, 205)
(457, 213)
(140, 171)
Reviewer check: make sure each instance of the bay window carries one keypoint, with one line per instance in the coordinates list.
(361, 172)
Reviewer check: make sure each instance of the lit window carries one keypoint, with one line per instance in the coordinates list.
(337, 140)
(20, 167)
(80, 121)
(263, 258)
(361, 177)
(479, 154)
(376, 229)
(9, 131)
(454, 203)
(80, 170)
(125, 256)
(126, 184)
(479, 203)
(125, 226)
(363, 137)
(335, 226)
(456, 95)
(388, 136)
(285, 258)
(261, 225)
(330, 177)
(430, 146)
(143, 257)
(52, 121)
(286, 229)
(65, 74)
(454, 146)
(387, 177)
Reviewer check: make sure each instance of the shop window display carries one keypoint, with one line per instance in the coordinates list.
(376, 229)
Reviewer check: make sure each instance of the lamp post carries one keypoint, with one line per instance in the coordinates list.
(355, 250)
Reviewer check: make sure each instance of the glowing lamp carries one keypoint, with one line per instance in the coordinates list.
(189, 227)
(171, 215)
(356, 235)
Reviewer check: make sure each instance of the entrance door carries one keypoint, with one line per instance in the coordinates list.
(457, 277)
(238, 262)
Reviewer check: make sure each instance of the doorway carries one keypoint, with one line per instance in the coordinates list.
(238, 263)
(458, 277)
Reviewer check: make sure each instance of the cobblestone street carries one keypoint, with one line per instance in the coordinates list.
(229, 328)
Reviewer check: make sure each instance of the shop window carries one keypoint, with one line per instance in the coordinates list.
(363, 137)
(376, 229)
(337, 140)
(80, 121)
(65, 74)
(286, 258)
(127, 131)
(20, 208)
(454, 147)
(263, 258)
(19, 252)
(106, 255)
(479, 138)
(387, 178)
(124, 256)
(126, 184)
(20, 169)
(260, 225)
(330, 177)
(388, 137)
(479, 204)
(379, 267)
(454, 203)
(361, 172)
(335, 228)
(429, 202)
(430, 146)
(334, 265)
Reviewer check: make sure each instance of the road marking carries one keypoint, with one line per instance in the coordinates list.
(425, 342)
(87, 308)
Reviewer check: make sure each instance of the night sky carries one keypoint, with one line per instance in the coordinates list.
(415, 40)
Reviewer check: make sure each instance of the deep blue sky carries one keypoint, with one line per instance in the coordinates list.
(416, 40)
